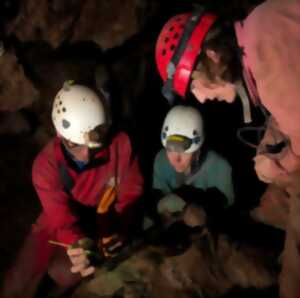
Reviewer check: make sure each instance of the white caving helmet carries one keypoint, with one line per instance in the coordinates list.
(182, 130)
(76, 112)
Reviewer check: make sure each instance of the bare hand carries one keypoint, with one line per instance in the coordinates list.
(267, 169)
(80, 261)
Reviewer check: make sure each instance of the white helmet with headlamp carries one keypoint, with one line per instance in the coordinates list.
(77, 111)
(182, 130)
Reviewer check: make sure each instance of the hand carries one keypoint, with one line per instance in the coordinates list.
(79, 259)
(273, 208)
(267, 169)
(194, 216)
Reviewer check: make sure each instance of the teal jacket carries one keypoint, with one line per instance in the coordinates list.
(215, 172)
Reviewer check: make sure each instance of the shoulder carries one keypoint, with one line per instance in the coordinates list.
(121, 139)
(45, 162)
(216, 160)
(45, 156)
(270, 22)
(161, 157)
(121, 146)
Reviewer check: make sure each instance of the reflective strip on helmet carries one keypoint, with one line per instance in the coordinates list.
(176, 138)
(193, 21)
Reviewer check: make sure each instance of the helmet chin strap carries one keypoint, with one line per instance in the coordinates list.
(245, 101)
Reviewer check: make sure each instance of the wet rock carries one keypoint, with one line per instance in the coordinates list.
(16, 90)
(107, 23)
(13, 123)
(211, 267)
(50, 21)
(110, 23)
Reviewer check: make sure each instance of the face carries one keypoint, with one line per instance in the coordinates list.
(181, 162)
(79, 152)
(219, 90)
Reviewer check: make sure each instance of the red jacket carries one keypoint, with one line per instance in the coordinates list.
(89, 185)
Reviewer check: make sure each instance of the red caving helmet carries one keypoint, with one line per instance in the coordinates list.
(177, 48)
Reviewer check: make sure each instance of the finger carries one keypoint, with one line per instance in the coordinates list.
(79, 267)
(79, 259)
(75, 251)
(88, 271)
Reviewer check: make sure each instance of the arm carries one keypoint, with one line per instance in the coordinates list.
(54, 200)
(160, 181)
(130, 185)
(222, 181)
(274, 155)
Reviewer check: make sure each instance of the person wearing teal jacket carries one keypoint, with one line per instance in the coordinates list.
(185, 164)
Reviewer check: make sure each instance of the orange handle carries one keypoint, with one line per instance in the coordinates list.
(107, 199)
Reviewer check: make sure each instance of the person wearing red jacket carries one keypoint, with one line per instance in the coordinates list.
(88, 183)
(198, 53)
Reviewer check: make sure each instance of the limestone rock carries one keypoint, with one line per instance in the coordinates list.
(110, 23)
(50, 21)
(16, 90)
(13, 123)
(209, 268)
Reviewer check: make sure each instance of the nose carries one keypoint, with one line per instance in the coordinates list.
(178, 158)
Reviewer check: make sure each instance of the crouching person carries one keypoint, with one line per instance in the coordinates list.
(88, 183)
(191, 182)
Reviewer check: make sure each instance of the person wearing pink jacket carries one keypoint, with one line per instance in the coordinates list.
(197, 53)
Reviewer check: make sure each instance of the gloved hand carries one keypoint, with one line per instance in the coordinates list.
(110, 246)
(78, 254)
(194, 216)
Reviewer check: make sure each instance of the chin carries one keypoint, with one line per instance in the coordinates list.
(226, 99)
(83, 160)
(179, 170)
(230, 100)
